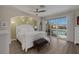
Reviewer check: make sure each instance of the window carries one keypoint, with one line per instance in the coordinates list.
(58, 21)
(57, 26)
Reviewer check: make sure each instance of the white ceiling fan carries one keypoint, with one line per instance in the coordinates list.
(39, 10)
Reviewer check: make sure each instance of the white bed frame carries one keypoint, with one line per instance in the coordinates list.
(26, 35)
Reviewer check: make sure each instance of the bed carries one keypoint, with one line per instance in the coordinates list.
(26, 35)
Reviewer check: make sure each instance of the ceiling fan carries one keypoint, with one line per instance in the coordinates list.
(37, 11)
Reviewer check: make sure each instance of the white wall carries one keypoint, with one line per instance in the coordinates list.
(44, 23)
(70, 27)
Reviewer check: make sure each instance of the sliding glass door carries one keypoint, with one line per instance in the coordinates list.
(57, 27)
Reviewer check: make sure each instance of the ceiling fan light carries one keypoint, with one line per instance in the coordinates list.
(36, 13)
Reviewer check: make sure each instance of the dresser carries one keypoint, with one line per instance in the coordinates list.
(76, 41)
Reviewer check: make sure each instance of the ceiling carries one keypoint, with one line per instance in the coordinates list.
(50, 9)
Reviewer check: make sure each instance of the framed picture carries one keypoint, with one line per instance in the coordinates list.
(77, 20)
(3, 24)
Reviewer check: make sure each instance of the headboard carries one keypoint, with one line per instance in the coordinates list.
(24, 28)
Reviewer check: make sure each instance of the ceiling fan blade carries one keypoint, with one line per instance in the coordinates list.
(42, 11)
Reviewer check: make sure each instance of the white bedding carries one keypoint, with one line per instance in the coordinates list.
(26, 35)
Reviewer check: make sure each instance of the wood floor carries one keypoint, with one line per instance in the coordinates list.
(57, 46)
